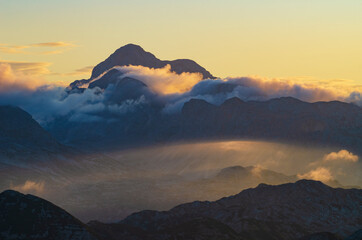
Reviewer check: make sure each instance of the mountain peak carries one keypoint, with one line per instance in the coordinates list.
(132, 49)
(131, 46)
(132, 54)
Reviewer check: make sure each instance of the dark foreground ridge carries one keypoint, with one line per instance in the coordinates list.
(28, 217)
(303, 210)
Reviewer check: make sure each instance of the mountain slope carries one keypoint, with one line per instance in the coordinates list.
(287, 211)
(334, 124)
(21, 135)
(305, 210)
(286, 118)
(18, 127)
(28, 217)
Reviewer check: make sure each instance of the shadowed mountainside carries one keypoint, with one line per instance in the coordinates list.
(288, 211)
(305, 210)
(286, 119)
(19, 129)
(28, 217)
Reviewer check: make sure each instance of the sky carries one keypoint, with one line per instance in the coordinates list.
(303, 40)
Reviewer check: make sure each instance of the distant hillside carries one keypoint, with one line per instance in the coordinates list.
(283, 119)
(288, 211)
(305, 210)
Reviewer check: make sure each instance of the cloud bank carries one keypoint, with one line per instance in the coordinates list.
(13, 81)
(166, 88)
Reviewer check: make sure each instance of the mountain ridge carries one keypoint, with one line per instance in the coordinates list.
(132, 54)
(297, 210)
(286, 211)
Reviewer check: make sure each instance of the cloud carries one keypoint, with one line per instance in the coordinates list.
(30, 187)
(20, 85)
(333, 165)
(34, 48)
(341, 156)
(162, 80)
(257, 170)
(355, 97)
(81, 71)
(30, 68)
(127, 106)
(250, 89)
(11, 81)
(51, 52)
(53, 44)
(13, 49)
(319, 174)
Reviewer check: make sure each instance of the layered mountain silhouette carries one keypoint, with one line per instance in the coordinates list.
(303, 210)
(288, 118)
(132, 54)
(288, 211)
(231, 180)
(326, 123)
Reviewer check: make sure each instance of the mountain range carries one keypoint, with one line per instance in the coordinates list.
(120, 111)
(302, 210)
(132, 114)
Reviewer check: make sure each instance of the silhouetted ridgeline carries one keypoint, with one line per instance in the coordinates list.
(302, 210)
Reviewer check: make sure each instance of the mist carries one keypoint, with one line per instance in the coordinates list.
(110, 186)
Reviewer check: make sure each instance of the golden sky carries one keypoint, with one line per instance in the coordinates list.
(317, 41)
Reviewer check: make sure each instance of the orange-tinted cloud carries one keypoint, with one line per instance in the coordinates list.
(30, 187)
(319, 174)
(53, 44)
(81, 71)
(341, 156)
(14, 80)
(162, 80)
(33, 68)
(20, 49)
